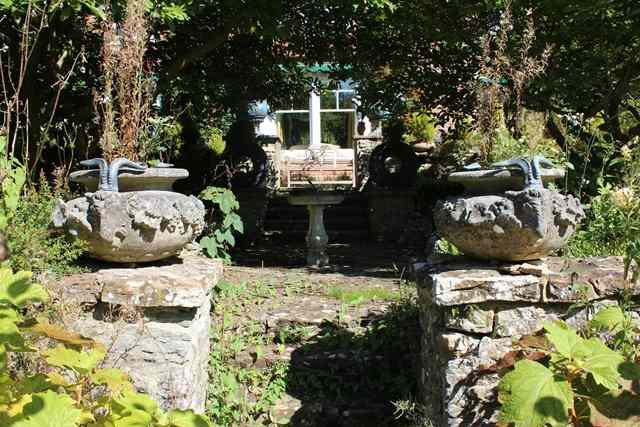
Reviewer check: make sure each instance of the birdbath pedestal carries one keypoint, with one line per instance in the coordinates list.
(317, 238)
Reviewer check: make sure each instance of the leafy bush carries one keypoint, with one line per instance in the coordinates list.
(33, 245)
(584, 382)
(72, 390)
(223, 221)
(612, 226)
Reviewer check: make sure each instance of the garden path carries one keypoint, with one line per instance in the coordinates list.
(330, 347)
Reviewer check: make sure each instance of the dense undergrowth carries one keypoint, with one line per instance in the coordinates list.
(34, 245)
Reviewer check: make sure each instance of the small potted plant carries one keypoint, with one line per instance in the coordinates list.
(130, 213)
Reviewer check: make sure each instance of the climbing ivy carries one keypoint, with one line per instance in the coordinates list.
(72, 390)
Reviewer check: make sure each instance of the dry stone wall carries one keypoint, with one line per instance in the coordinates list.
(154, 322)
(473, 312)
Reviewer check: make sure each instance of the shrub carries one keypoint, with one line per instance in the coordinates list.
(222, 222)
(33, 245)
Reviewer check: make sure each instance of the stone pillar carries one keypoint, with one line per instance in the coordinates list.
(315, 130)
(154, 322)
(473, 312)
(317, 238)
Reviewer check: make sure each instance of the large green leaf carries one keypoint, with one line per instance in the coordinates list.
(48, 409)
(610, 318)
(59, 334)
(595, 358)
(10, 335)
(532, 396)
(115, 379)
(177, 418)
(564, 339)
(80, 361)
(18, 290)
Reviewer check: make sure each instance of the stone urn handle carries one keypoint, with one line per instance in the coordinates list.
(109, 172)
(529, 167)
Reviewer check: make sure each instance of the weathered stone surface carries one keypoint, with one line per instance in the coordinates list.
(139, 226)
(478, 285)
(458, 376)
(155, 323)
(572, 280)
(512, 226)
(184, 284)
(518, 321)
(152, 179)
(165, 351)
(470, 318)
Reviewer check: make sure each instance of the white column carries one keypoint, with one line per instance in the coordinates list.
(314, 121)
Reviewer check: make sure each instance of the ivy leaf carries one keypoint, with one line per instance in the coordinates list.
(564, 339)
(532, 396)
(131, 402)
(79, 361)
(610, 318)
(16, 288)
(595, 358)
(48, 409)
(10, 336)
(210, 246)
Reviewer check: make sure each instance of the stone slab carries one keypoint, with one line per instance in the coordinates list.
(183, 284)
(457, 280)
(479, 285)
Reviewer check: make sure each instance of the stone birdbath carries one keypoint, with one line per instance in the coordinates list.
(316, 201)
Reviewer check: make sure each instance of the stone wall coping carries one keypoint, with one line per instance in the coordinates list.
(458, 280)
(187, 284)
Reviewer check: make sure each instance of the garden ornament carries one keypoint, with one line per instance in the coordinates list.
(530, 168)
(109, 172)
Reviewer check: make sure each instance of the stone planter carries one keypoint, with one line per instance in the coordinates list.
(132, 215)
(139, 226)
(506, 215)
(159, 179)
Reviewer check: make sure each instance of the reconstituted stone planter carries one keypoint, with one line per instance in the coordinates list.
(155, 323)
(473, 312)
(508, 214)
(138, 226)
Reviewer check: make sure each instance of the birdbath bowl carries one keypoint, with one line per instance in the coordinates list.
(317, 239)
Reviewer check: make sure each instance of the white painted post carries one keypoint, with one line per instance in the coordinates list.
(314, 121)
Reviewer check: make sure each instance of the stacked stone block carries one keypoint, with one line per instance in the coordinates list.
(154, 322)
(472, 313)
